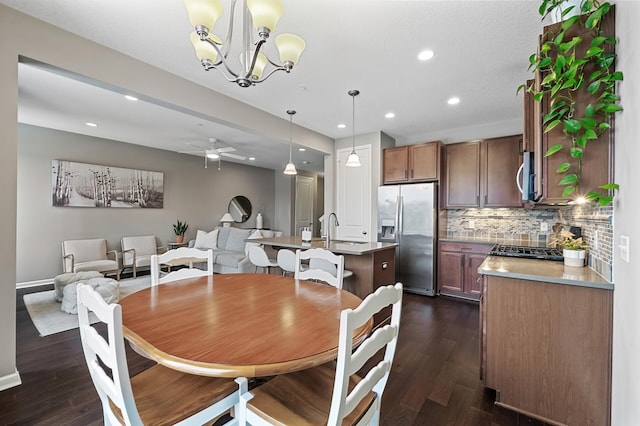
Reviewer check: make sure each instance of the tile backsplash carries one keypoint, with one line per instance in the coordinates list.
(597, 230)
(515, 225)
(528, 225)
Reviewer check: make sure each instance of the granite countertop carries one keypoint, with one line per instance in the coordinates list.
(340, 247)
(542, 270)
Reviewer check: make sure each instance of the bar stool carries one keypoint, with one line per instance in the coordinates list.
(259, 258)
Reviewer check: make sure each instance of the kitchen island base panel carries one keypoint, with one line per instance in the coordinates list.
(370, 271)
(546, 349)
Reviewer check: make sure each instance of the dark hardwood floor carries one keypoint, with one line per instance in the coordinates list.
(434, 379)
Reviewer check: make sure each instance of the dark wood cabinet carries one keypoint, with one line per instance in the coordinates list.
(597, 162)
(462, 175)
(546, 349)
(458, 268)
(482, 173)
(411, 163)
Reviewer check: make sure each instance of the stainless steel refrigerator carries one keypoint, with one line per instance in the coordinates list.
(407, 216)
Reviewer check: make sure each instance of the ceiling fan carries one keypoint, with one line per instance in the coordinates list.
(215, 151)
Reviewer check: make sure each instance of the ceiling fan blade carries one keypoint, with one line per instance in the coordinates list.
(236, 156)
(191, 152)
(226, 149)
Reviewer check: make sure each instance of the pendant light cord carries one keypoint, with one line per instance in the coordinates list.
(353, 94)
(353, 121)
(290, 134)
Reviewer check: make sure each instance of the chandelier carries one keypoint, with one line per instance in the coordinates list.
(213, 52)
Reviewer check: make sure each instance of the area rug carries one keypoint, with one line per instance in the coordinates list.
(49, 319)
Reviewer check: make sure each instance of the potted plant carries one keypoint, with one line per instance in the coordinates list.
(573, 249)
(570, 70)
(179, 228)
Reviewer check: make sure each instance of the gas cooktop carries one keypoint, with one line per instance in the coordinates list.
(545, 253)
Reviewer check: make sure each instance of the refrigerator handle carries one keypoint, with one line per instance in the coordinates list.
(399, 217)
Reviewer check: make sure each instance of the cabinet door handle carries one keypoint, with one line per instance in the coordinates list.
(384, 265)
(478, 200)
(465, 249)
(364, 232)
(411, 173)
(486, 200)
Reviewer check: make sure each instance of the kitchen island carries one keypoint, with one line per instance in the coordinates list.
(372, 263)
(546, 339)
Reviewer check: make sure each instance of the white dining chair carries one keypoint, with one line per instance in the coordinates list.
(158, 395)
(181, 256)
(330, 267)
(258, 256)
(332, 393)
(323, 256)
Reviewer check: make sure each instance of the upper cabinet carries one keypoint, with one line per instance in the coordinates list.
(597, 161)
(411, 163)
(482, 173)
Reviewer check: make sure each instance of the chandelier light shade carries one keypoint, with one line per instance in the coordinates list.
(255, 66)
(290, 169)
(265, 13)
(353, 160)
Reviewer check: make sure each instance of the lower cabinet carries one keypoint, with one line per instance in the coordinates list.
(458, 268)
(546, 349)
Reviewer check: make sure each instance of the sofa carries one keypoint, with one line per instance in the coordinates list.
(230, 250)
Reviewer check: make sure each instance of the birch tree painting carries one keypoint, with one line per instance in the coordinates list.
(90, 185)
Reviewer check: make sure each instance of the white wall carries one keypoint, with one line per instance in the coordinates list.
(626, 276)
(192, 193)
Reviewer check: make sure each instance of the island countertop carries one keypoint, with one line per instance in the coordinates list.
(335, 246)
(542, 270)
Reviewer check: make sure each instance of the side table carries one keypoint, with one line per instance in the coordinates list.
(176, 245)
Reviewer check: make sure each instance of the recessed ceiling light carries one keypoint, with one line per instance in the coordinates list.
(252, 158)
(453, 101)
(425, 55)
(341, 126)
(389, 115)
(130, 98)
(301, 149)
(91, 124)
(305, 162)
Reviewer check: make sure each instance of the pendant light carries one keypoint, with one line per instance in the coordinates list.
(290, 169)
(353, 160)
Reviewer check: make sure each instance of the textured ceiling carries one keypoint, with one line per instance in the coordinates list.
(481, 55)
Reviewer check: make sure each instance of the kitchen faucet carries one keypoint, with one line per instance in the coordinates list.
(328, 240)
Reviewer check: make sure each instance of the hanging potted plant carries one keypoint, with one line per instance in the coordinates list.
(573, 249)
(570, 69)
(179, 228)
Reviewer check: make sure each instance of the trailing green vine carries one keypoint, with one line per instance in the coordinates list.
(565, 73)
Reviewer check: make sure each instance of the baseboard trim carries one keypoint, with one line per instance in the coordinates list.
(36, 283)
(10, 380)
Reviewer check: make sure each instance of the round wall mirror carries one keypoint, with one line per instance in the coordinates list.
(240, 208)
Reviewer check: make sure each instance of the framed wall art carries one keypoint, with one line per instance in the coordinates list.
(91, 185)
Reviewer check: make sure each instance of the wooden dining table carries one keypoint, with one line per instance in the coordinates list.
(238, 325)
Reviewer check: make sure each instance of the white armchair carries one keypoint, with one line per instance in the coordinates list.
(137, 252)
(89, 255)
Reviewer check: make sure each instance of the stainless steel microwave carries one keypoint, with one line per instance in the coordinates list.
(525, 178)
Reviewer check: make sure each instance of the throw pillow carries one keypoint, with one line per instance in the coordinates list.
(206, 240)
(253, 236)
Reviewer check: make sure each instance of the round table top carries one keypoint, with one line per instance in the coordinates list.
(238, 325)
